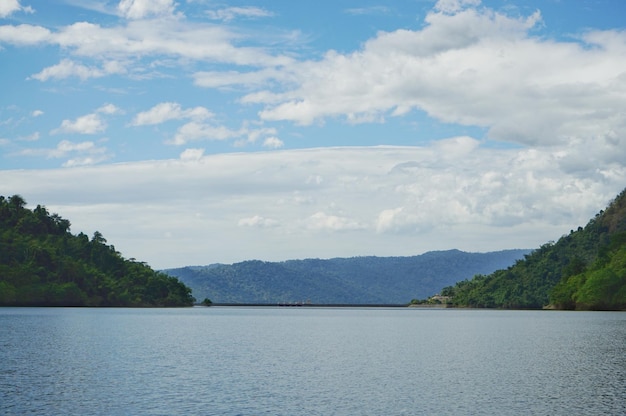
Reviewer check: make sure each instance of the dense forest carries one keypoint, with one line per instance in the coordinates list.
(585, 269)
(356, 280)
(43, 264)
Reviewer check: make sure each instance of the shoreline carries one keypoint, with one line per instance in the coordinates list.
(312, 305)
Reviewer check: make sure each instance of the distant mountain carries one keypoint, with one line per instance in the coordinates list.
(356, 280)
(585, 269)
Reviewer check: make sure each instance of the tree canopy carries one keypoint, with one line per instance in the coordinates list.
(43, 264)
(585, 269)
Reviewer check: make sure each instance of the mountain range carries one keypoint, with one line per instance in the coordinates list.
(355, 280)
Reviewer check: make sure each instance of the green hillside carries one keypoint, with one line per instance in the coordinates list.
(356, 280)
(43, 264)
(585, 269)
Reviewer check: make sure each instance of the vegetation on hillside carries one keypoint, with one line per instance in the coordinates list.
(43, 264)
(356, 280)
(585, 269)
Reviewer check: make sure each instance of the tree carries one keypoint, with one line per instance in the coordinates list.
(583, 270)
(43, 264)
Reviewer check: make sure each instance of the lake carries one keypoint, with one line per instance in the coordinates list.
(313, 361)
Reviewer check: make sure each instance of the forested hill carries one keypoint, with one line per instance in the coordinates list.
(43, 264)
(357, 280)
(585, 269)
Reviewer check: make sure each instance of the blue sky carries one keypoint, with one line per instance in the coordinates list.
(197, 131)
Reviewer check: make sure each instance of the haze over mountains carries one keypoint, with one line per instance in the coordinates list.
(356, 280)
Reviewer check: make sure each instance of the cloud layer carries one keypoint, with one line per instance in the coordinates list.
(322, 202)
(533, 128)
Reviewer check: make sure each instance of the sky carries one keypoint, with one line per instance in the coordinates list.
(193, 132)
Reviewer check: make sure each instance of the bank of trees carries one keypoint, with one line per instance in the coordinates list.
(585, 269)
(43, 264)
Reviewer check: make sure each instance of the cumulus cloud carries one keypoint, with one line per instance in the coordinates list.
(8, 7)
(387, 219)
(230, 13)
(79, 153)
(139, 9)
(453, 6)
(195, 130)
(192, 154)
(166, 111)
(109, 109)
(273, 142)
(197, 126)
(68, 68)
(36, 113)
(257, 221)
(89, 123)
(469, 66)
(24, 34)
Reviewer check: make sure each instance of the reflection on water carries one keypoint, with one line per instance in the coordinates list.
(275, 361)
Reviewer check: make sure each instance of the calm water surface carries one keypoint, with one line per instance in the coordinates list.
(313, 361)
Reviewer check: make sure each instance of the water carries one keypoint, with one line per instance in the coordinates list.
(313, 361)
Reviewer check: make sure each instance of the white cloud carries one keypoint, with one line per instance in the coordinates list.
(167, 111)
(192, 154)
(8, 7)
(138, 39)
(68, 68)
(80, 153)
(377, 200)
(87, 124)
(85, 161)
(65, 146)
(231, 13)
(109, 109)
(193, 131)
(196, 126)
(273, 142)
(139, 9)
(139, 47)
(453, 6)
(197, 130)
(387, 219)
(257, 221)
(36, 113)
(469, 66)
(22, 35)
